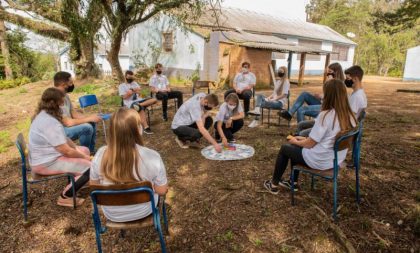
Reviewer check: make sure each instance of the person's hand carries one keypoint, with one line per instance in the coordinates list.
(218, 148)
(95, 118)
(130, 92)
(318, 96)
(225, 142)
(229, 123)
(300, 138)
(293, 140)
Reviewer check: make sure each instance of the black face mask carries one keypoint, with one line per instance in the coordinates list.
(331, 74)
(348, 83)
(281, 74)
(208, 108)
(159, 72)
(130, 80)
(69, 89)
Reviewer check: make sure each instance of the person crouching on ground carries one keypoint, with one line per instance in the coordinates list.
(130, 92)
(229, 120)
(192, 120)
(277, 100)
(51, 152)
(316, 151)
(126, 160)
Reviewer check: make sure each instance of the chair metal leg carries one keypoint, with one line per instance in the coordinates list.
(161, 238)
(335, 200)
(292, 182)
(73, 189)
(103, 124)
(25, 197)
(97, 233)
(262, 115)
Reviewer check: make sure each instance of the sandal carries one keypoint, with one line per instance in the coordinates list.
(68, 202)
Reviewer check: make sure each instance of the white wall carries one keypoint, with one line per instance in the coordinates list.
(146, 40)
(315, 67)
(412, 65)
(65, 64)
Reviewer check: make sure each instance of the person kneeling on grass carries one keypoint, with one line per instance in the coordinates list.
(130, 92)
(192, 120)
(316, 151)
(277, 100)
(51, 152)
(126, 160)
(229, 120)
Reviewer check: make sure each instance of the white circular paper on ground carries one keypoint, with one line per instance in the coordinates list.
(242, 152)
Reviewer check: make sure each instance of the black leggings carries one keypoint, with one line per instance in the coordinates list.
(287, 152)
(164, 96)
(79, 183)
(191, 132)
(236, 126)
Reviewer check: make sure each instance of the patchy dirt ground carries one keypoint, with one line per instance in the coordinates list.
(221, 206)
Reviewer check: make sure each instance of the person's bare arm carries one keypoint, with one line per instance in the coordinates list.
(161, 189)
(303, 142)
(207, 136)
(221, 133)
(70, 152)
(69, 122)
(240, 115)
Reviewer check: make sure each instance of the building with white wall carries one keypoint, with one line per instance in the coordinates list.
(412, 65)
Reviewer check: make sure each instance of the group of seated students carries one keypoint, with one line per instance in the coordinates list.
(125, 159)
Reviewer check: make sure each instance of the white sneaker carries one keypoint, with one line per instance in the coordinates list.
(256, 111)
(254, 123)
(181, 143)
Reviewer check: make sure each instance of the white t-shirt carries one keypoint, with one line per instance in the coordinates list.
(151, 169)
(285, 90)
(46, 132)
(67, 107)
(321, 156)
(189, 112)
(224, 113)
(159, 81)
(358, 101)
(243, 80)
(124, 88)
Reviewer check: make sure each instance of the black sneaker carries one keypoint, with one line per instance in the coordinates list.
(288, 185)
(286, 115)
(137, 107)
(148, 131)
(165, 118)
(268, 185)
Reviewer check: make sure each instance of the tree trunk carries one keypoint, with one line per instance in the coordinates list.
(112, 56)
(5, 51)
(82, 55)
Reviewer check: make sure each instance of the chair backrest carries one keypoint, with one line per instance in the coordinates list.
(88, 100)
(23, 151)
(345, 140)
(201, 84)
(122, 194)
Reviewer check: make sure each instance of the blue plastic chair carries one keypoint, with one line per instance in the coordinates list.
(92, 100)
(356, 153)
(127, 194)
(21, 146)
(269, 112)
(345, 141)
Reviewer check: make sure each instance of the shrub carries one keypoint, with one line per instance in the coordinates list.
(5, 141)
(7, 84)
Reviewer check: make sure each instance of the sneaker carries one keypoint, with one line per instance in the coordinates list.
(138, 107)
(233, 140)
(147, 131)
(286, 115)
(270, 187)
(181, 143)
(288, 185)
(165, 118)
(256, 111)
(254, 123)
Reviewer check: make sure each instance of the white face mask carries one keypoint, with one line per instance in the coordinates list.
(231, 107)
(244, 70)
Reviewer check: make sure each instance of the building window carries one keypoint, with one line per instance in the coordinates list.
(341, 52)
(278, 56)
(66, 65)
(168, 41)
(317, 45)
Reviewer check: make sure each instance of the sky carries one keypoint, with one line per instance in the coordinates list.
(279, 8)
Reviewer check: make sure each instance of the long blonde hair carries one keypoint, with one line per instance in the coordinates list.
(335, 97)
(121, 154)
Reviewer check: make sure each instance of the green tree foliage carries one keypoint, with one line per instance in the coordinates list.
(26, 62)
(382, 43)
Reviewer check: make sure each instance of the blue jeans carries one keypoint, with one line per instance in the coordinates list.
(310, 110)
(86, 133)
(260, 102)
(304, 97)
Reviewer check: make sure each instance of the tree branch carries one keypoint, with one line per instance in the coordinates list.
(38, 27)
